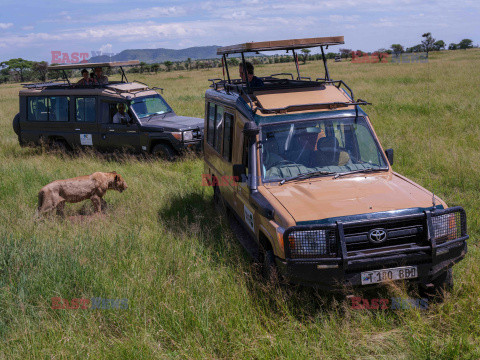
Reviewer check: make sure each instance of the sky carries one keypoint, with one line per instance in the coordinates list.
(33, 29)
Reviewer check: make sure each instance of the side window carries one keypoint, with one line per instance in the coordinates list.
(367, 147)
(228, 136)
(85, 109)
(38, 108)
(41, 108)
(58, 110)
(210, 124)
(218, 128)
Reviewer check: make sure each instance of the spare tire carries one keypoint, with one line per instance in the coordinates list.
(16, 124)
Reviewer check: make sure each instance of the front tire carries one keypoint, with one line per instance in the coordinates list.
(269, 268)
(442, 284)
(164, 151)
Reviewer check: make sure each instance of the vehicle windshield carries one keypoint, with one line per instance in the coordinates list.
(149, 105)
(330, 146)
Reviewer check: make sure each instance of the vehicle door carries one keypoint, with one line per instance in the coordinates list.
(85, 111)
(244, 209)
(118, 136)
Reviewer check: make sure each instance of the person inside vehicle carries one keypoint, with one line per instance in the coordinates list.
(85, 80)
(252, 79)
(121, 117)
(100, 79)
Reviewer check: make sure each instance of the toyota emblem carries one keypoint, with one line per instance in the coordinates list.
(377, 236)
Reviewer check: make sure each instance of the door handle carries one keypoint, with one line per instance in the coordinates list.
(77, 129)
(111, 130)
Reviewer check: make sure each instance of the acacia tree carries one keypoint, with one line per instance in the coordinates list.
(397, 49)
(18, 65)
(346, 53)
(439, 45)
(168, 65)
(305, 53)
(427, 42)
(155, 67)
(465, 44)
(41, 70)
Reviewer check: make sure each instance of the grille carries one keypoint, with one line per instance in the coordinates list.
(398, 233)
(197, 134)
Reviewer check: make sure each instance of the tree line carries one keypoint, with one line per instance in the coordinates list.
(21, 70)
(427, 45)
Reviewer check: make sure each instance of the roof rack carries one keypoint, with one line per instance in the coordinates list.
(119, 64)
(288, 45)
(273, 83)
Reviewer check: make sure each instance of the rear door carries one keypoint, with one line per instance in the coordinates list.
(85, 111)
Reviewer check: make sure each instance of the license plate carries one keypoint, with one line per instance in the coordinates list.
(384, 275)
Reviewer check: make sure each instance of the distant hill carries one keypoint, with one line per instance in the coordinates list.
(161, 55)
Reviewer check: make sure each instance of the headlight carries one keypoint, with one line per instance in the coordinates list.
(188, 135)
(446, 227)
(309, 243)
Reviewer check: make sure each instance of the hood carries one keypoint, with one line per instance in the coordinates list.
(323, 198)
(176, 122)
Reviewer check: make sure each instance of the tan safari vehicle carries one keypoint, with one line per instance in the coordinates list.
(109, 116)
(314, 191)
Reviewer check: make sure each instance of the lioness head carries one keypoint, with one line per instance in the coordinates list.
(118, 183)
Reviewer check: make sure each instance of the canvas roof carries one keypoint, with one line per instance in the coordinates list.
(281, 45)
(93, 65)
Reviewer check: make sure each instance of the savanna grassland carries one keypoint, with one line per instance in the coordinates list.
(192, 291)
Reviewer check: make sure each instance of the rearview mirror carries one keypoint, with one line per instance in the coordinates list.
(389, 153)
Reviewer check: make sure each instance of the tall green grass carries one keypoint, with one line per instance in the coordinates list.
(192, 291)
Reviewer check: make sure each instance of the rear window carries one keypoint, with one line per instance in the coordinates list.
(53, 108)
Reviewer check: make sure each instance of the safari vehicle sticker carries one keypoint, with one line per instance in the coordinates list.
(86, 139)
(248, 218)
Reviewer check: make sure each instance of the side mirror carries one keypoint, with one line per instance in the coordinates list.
(239, 172)
(389, 153)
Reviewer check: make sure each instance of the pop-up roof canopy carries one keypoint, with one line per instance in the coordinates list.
(93, 65)
(281, 45)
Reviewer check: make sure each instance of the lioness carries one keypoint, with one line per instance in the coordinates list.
(93, 187)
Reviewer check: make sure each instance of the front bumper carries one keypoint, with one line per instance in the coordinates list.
(343, 267)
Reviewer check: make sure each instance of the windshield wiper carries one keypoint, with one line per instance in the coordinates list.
(359, 171)
(307, 175)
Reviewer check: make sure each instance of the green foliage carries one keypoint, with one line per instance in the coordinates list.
(439, 45)
(305, 53)
(427, 42)
(465, 44)
(397, 48)
(18, 65)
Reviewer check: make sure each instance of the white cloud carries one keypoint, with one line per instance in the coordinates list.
(5, 26)
(107, 48)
